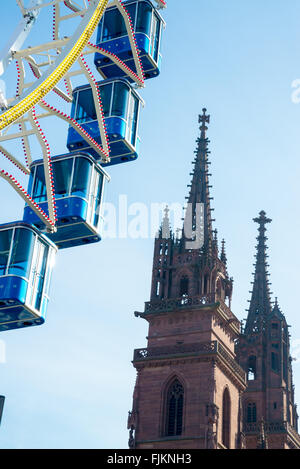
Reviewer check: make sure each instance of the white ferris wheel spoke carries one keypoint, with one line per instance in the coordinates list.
(41, 63)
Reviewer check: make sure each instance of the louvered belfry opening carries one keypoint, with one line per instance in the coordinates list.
(184, 286)
(174, 407)
(251, 412)
(226, 419)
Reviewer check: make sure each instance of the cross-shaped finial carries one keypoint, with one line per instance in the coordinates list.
(203, 119)
(262, 220)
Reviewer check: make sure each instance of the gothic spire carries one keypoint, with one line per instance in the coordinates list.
(260, 303)
(198, 213)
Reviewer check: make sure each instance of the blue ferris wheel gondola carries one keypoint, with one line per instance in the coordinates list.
(26, 262)
(79, 183)
(121, 109)
(112, 36)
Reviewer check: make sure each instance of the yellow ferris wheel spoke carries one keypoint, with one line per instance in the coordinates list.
(33, 97)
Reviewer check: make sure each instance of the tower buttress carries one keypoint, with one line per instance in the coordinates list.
(263, 350)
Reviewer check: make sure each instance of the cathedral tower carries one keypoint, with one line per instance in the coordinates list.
(269, 411)
(189, 384)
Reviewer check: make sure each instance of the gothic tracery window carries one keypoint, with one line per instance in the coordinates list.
(174, 409)
(251, 374)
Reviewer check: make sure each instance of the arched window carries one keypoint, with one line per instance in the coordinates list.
(206, 284)
(174, 409)
(226, 410)
(275, 361)
(251, 412)
(251, 373)
(219, 289)
(184, 286)
(157, 288)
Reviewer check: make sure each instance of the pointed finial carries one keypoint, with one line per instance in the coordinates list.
(276, 305)
(178, 233)
(215, 233)
(223, 253)
(262, 437)
(165, 228)
(203, 119)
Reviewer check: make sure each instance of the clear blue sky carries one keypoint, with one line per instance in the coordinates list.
(69, 383)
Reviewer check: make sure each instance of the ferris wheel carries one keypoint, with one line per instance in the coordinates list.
(64, 195)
